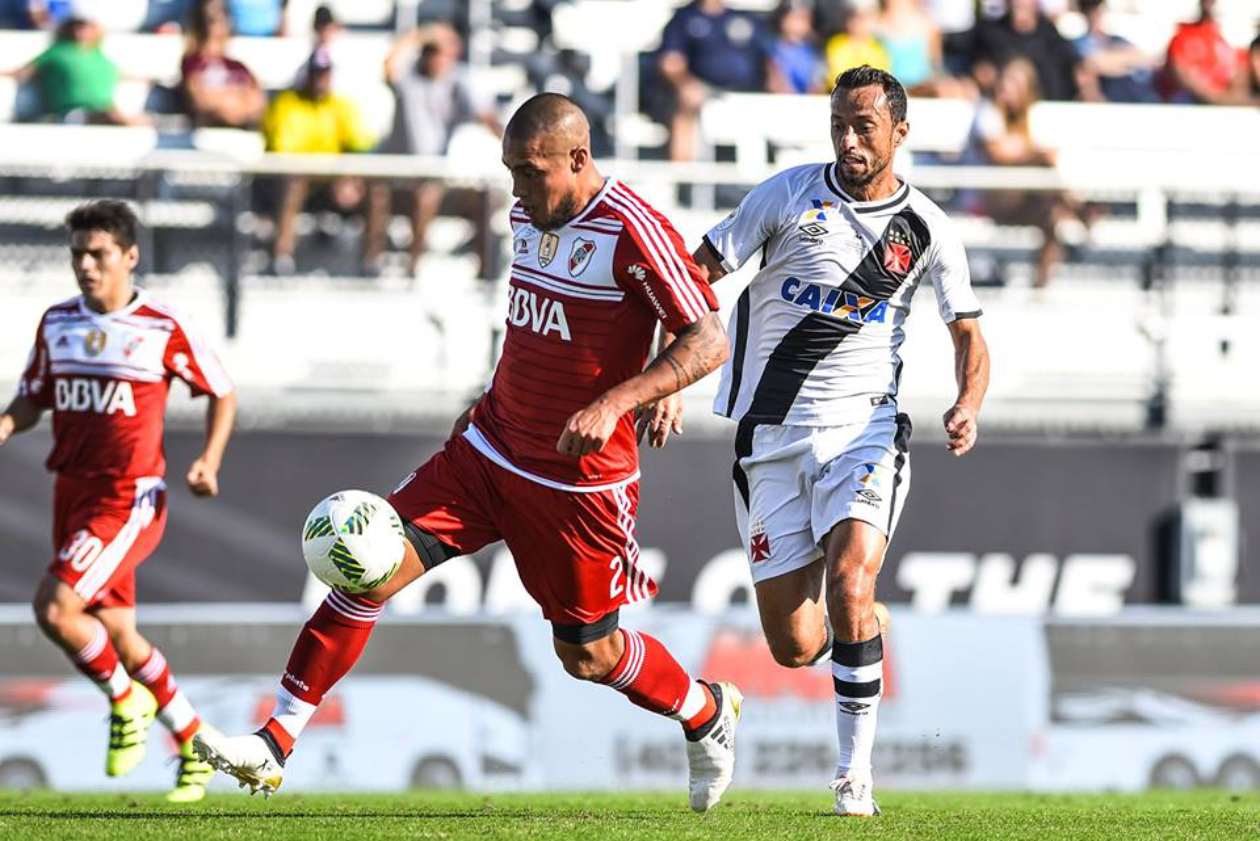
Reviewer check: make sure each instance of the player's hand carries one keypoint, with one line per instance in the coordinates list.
(588, 431)
(660, 420)
(961, 429)
(203, 478)
(461, 422)
(6, 428)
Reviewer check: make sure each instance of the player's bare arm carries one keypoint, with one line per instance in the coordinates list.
(698, 348)
(971, 370)
(203, 474)
(663, 418)
(20, 416)
(709, 263)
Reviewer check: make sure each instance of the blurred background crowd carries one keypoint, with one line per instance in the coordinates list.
(1002, 56)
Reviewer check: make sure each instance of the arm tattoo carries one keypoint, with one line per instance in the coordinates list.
(681, 379)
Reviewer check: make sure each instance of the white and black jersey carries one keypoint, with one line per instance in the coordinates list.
(815, 335)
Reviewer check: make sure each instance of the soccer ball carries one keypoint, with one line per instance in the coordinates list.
(353, 541)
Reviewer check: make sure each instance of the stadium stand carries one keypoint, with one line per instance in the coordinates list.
(1144, 323)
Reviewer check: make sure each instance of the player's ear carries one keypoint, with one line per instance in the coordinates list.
(899, 132)
(579, 156)
(132, 256)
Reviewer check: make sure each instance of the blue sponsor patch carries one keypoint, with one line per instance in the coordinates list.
(847, 306)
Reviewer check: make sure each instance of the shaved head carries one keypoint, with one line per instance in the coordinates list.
(547, 148)
(552, 119)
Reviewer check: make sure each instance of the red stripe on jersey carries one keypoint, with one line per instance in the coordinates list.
(665, 251)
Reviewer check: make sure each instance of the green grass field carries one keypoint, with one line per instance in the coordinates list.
(747, 815)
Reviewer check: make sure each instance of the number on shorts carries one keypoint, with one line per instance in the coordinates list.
(614, 587)
(82, 550)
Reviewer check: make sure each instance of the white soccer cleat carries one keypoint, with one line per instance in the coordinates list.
(247, 758)
(711, 759)
(855, 795)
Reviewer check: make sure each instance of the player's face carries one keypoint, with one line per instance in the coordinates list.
(863, 133)
(101, 266)
(544, 179)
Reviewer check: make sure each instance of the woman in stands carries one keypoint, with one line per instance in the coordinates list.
(796, 64)
(217, 90)
(1000, 136)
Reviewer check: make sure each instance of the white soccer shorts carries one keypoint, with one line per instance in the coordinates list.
(800, 481)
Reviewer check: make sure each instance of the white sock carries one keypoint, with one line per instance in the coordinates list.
(692, 704)
(857, 670)
(178, 713)
(292, 713)
(117, 685)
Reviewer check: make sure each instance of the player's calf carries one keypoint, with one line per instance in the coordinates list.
(334, 638)
(641, 668)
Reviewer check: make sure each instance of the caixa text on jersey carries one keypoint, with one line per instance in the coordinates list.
(839, 303)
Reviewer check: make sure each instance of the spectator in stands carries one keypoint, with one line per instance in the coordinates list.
(1201, 65)
(913, 42)
(311, 119)
(1111, 68)
(856, 44)
(1025, 32)
(1000, 136)
(957, 22)
(259, 18)
(217, 90)
(1253, 71)
(435, 95)
(76, 80)
(325, 27)
(796, 65)
(707, 46)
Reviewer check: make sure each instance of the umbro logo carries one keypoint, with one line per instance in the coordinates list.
(853, 707)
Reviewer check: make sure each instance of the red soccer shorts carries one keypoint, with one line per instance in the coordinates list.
(102, 530)
(575, 551)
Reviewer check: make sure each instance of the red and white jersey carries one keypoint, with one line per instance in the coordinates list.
(583, 304)
(106, 376)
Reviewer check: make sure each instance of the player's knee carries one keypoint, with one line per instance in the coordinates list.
(854, 592)
(51, 614)
(794, 651)
(587, 662)
(132, 648)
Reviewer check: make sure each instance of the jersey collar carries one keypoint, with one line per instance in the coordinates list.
(593, 203)
(137, 301)
(831, 174)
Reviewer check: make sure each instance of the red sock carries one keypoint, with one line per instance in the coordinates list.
(155, 674)
(174, 710)
(99, 661)
(651, 678)
(328, 646)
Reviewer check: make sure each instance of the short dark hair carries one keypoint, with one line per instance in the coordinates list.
(110, 215)
(866, 76)
(323, 17)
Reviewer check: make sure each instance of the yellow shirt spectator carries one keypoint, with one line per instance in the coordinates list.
(845, 51)
(327, 125)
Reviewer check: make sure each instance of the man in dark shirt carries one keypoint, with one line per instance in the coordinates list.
(1112, 69)
(705, 46)
(1025, 32)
